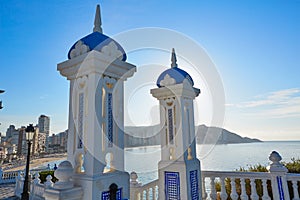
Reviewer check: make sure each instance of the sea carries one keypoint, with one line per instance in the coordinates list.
(225, 157)
(221, 157)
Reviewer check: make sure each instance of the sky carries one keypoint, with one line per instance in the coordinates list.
(254, 45)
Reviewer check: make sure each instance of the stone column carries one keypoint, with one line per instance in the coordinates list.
(278, 177)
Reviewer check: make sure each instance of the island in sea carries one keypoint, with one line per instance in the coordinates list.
(149, 135)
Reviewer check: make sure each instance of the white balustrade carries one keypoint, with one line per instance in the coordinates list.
(8, 177)
(37, 189)
(237, 182)
(295, 180)
(236, 185)
(148, 191)
(19, 184)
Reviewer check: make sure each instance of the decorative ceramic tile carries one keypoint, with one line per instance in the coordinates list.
(105, 195)
(110, 119)
(170, 121)
(194, 185)
(80, 120)
(280, 189)
(172, 185)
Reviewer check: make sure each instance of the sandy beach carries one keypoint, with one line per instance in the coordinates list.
(37, 162)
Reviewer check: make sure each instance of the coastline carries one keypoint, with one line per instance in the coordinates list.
(35, 163)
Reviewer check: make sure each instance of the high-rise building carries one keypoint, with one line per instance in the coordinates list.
(44, 127)
(21, 141)
(12, 135)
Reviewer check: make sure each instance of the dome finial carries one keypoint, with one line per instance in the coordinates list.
(97, 22)
(173, 59)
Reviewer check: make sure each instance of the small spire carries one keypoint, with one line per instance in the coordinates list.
(97, 22)
(173, 59)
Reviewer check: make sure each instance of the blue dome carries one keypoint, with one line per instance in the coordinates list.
(97, 40)
(177, 74)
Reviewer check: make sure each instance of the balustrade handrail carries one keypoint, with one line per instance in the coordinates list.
(292, 176)
(149, 185)
(236, 174)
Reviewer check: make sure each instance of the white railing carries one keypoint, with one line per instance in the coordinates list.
(141, 192)
(8, 177)
(37, 189)
(294, 180)
(243, 185)
(275, 184)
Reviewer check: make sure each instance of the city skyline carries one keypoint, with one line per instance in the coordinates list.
(253, 44)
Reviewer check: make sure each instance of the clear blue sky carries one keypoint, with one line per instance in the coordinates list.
(254, 44)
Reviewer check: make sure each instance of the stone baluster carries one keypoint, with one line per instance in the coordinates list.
(48, 182)
(154, 192)
(37, 178)
(234, 195)
(64, 188)
(35, 181)
(244, 195)
(265, 190)
(19, 184)
(213, 193)
(148, 194)
(134, 187)
(204, 193)
(295, 190)
(253, 195)
(278, 177)
(223, 193)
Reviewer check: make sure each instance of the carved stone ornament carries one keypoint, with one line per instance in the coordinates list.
(109, 83)
(112, 51)
(168, 80)
(80, 48)
(81, 81)
(169, 102)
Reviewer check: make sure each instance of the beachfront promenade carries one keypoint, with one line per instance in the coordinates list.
(275, 184)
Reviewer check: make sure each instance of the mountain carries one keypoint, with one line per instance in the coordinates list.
(215, 135)
(149, 135)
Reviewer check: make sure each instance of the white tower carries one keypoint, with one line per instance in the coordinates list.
(96, 69)
(179, 169)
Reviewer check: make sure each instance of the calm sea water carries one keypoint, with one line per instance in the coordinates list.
(230, 157)
(143, 160)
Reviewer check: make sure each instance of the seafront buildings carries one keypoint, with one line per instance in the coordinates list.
(44, 126)
(13, 145)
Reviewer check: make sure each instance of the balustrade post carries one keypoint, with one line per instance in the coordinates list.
(278, 177)
(265, 190)
(244, 195)
(213, 192)
(253, 195)
(223, 193)
(48, 182)
(34, 184)
(134, 186)
(234, 195)
(19, 184)
(204, 193)
(295, 190)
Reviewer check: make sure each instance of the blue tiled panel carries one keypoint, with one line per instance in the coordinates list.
(172, 185)
(170, 121)
(105, 195)
(194, 185)
(80, 120)
(280, 189)
(110, 119)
